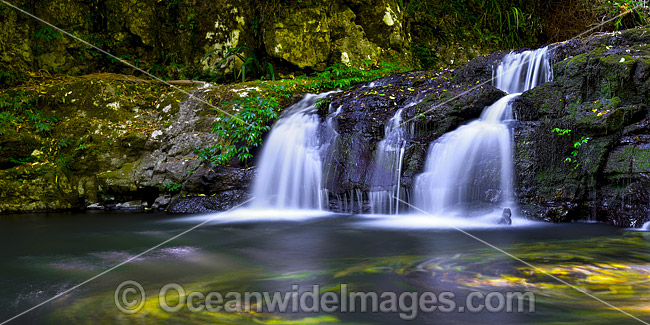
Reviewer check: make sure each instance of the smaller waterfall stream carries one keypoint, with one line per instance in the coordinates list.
(388, 168)
(473, 163)
(523, 71)
(290, 168)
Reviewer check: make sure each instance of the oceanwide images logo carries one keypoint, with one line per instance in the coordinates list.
(130, 298)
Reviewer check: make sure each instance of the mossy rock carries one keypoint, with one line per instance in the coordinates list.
(630, 159)
(301, 37)
(121, 181)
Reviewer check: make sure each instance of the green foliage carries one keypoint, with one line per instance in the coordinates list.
(250, 63)
(16, 112)
(244, 130)
(22, 161)
(40, 123)
(190, 20)
(573, 158)
(343, 76)
(561, 131)
(322, 103)
(628, 13)
(207, 154)
(9, 78)
(427, 57)
(171, 187)
(493, 24)
(7, 121)
(48, 34)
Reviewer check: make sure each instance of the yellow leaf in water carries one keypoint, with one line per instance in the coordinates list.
(622, 290)
(603, 279)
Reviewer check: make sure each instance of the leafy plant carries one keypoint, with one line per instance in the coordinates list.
(573, 158)
(9, 78)
(626, 9)
(22, 161)
(207, 154)
(322, 103)
(487, 24)
(574, 154)
(17, 112)
(42, 124)
(47, 34)
(342, 76)
(190, 20)
(561, 131)
(244, 129)
(172, 187)
(250, 62)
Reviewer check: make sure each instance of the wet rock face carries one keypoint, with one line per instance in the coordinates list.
(600, 92)
(625, 200)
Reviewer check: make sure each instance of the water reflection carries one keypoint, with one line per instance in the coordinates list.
(246, 254)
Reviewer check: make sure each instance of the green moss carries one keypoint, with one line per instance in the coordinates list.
(301, 37)
(629, 159)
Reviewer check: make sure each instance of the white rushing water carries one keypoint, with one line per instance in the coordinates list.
(523, 71)
(388, 168)
(474, 162)
(290, 169)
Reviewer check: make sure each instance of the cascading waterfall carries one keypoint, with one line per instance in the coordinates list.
(470, 164)
(646, 226)
(523, 71)
(474, 162)
(388, 169)
(290, 168)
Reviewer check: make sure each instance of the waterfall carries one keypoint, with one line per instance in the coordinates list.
(383, 198)
(473, 163)
(386, 192)
(646, 226)
(290, 167)
(469, 165)
(523, 71)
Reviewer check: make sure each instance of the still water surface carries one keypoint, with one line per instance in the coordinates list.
(46, 254)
